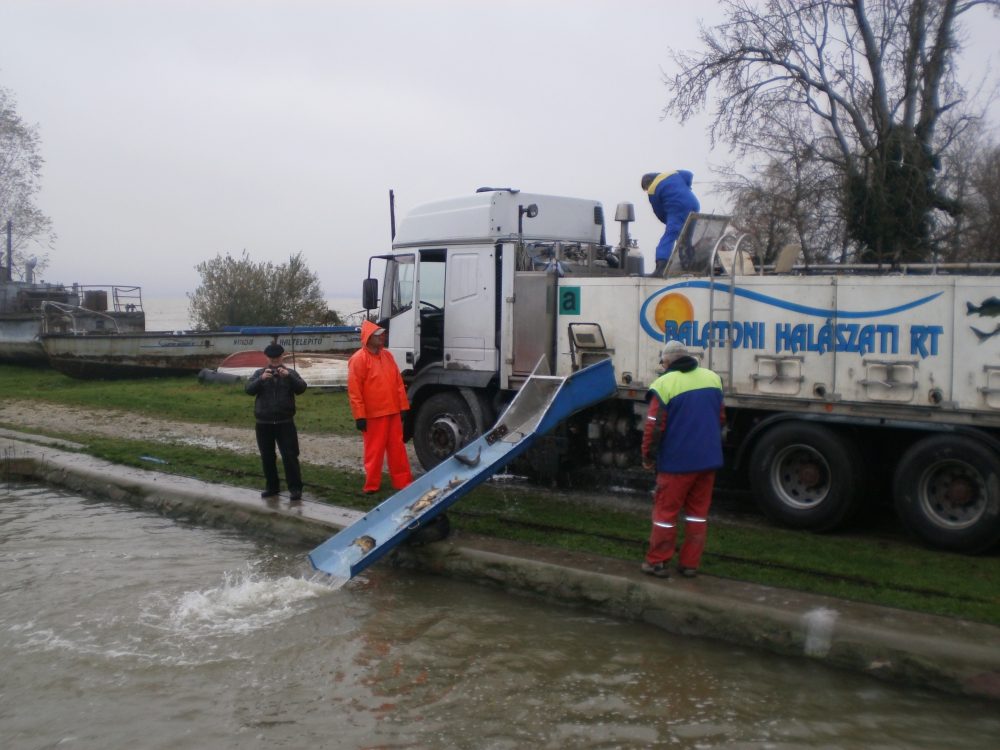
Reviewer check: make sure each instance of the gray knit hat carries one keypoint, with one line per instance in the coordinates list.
(674, 347)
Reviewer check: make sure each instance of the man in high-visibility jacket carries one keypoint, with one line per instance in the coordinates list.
(683, 442)
(378, 402)
(672, 200)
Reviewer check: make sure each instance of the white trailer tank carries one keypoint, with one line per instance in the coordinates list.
(926, 343)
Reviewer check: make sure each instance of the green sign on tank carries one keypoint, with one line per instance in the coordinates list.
(569, 300)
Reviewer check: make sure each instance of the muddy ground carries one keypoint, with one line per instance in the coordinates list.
(331, 450)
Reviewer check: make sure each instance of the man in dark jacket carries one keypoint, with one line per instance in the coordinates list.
(683, 442)
(672, 200)
(275, 387)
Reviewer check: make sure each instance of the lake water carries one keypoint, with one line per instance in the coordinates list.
(121, 629)
(171, 313)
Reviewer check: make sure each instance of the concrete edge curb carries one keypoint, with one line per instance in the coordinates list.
(951, 655)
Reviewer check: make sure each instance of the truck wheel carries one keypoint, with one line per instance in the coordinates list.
(443, 425)
(806, 476)
(947, 491)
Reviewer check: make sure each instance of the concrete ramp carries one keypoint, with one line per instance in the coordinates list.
(543, 402)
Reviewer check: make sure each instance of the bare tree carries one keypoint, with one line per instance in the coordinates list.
(790, 198)
(243, 293)
(20, 181)
(971, 176)
(982, 239)
(875, 81)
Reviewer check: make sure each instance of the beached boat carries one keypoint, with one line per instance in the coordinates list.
(28, 310)
(112, 356)
(324, 371)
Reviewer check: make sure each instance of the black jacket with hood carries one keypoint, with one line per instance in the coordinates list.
(276, 397)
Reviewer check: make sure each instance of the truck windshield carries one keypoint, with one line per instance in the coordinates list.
(399, 279)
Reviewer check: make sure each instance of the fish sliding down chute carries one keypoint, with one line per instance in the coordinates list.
(542, 403)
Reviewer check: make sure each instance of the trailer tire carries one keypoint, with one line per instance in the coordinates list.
(434, 530)
(806, 476)
(947, 492)
(444, 425)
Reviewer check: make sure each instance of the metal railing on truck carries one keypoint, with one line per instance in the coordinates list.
(887, 269)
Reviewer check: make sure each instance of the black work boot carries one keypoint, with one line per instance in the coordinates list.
(659, 570)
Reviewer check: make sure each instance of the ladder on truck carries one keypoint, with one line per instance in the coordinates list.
(728, 309)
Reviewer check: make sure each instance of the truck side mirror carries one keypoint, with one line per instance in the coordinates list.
(369, 294)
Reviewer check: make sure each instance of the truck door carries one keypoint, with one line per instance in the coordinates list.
(399, 309)
(470, 309)
(430, 310)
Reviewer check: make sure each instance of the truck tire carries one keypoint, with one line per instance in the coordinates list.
(444, 424)
(806, 476)
(947, 492)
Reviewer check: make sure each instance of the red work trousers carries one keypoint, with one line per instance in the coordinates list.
(693, 492)
(384, 435)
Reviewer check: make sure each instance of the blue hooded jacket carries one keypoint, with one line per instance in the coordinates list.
(672, 200)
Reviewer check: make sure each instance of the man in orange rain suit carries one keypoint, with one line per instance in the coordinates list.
(683, 442)
(378, 402)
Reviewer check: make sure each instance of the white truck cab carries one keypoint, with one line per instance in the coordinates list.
(452, 264)
(469, 302)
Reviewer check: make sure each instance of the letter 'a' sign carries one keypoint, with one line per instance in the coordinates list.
(569, 300)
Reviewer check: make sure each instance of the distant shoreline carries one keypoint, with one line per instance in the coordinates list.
(171, 313)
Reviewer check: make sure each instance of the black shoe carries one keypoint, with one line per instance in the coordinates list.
(688, 572)
(295, 495)
(370, 492)
(659, 570)
(269, 493)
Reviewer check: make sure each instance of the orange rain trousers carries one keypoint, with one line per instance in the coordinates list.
(693, 492)
(384, 437)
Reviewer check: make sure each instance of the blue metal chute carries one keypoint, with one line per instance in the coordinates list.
(543, 402)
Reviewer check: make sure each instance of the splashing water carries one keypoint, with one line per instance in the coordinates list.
(243, 603)
(332, 583)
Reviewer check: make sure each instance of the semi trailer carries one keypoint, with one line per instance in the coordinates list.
(846, 386)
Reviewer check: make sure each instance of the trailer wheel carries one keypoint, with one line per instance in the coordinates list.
(444, 424)
(806, 476)
(947, 492)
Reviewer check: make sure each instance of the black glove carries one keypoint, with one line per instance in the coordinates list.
(361, 424)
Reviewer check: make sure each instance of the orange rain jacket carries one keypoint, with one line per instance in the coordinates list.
(374, 384)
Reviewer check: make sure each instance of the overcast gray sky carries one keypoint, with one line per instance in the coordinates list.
(175, 131)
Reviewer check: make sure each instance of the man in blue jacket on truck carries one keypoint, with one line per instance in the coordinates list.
(683, 443)
(672, 200)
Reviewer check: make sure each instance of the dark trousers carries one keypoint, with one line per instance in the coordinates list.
(287, 438)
